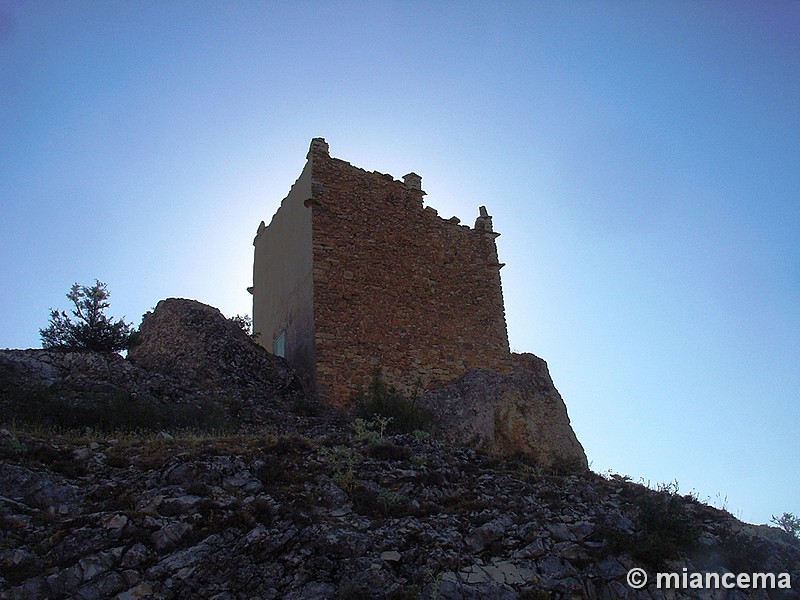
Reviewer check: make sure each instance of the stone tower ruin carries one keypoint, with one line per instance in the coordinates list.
(354, 274)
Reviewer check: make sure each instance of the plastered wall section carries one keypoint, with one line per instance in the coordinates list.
(397, 287)
(282, 280)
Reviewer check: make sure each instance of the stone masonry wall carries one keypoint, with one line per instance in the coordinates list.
(396, 287)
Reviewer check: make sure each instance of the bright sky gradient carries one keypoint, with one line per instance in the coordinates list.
(641, 160)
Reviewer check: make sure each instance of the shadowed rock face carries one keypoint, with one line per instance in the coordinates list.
(190, 355)
(508, 414)
(194, 343)
(68, 379)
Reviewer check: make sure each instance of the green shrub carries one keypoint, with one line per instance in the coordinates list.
(92, 329)
(379, 503)
(371, 430)
(664, 528)
(789, 523)
(383, 401)
(342, 462)
(742, 554)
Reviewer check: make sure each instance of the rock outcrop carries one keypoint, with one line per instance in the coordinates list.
(508, 414)
(192, 367)
(195, 344)
(83, 389)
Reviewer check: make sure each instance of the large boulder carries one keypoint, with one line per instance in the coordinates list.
(521, 413)
(196, 344)
(192, 367)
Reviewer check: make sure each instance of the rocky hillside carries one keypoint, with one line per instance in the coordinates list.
(342, 515)
(268, 494)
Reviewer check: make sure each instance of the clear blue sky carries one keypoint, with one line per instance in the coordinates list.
(641, 160)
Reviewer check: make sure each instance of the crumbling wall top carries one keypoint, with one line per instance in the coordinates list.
(413, 181)
(318, 144)
(484, 220)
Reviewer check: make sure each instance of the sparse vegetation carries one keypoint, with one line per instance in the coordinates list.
(342, 462)
(198, 485)
(261, 502)
(382, 403)
(378, 502)
(372, 430)
(110, 411)
(245, 323)
(92, 329)
(664, 528)
(788, 522)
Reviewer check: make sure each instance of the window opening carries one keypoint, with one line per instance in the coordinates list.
(280, 345)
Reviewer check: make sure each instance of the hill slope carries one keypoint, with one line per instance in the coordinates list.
(334, 516)
(269, 494)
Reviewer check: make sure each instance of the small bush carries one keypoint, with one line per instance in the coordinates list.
(372, 430)
(342, 462)
(667, 528)
(664, 528)
(261, 510)
(742, 554)
(245, 323)
(292, 444)
(12, 448)
(789, 523)
(381, 400)
(566, 466)
(272, 471)
(380, 502)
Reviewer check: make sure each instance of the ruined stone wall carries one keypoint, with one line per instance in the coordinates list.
(397, 287)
